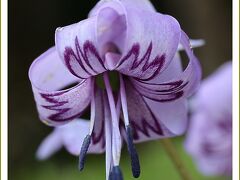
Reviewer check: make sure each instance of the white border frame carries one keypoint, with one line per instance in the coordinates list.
(4, 91)
(235, 144)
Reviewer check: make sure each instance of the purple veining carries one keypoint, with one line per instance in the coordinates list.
(157, 63)
(82, 55)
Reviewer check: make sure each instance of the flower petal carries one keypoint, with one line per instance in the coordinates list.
(149, 46)
(182, 85)
(139, 4)
(73, 135)
(51, 144)
(48, 75)
(145, 125)
(77, 47)
(146, 47)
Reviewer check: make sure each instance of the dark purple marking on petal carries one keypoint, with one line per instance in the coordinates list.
(142, 125)
(57, 105)
(171, 97)
(50, 97)
(60, 111)
(145, 127)
(173, 83)
(145, 57)
(174, 86)
(162, 92)
(83, 152)
(53, 107)
(116, 173)
(157, 63)
(169, 90)
(57, 117)
(67, 57)
(79, 51)
(133, 153)
(88, 48)
(134, 51)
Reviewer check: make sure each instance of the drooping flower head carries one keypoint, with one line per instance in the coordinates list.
(130, 38)
(209, 139)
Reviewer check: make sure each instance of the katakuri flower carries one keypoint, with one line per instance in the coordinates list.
(209, 139)
(130, 38)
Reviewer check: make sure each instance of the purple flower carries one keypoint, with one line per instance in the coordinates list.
(209, 139)
(130, 38)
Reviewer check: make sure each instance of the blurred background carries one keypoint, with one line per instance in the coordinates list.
(31, 31)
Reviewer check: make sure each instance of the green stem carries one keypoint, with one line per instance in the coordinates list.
(173, 154)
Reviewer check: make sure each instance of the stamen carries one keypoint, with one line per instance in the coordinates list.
(93, 111)
(83, 152)
(124, 101)
(87, 139)
(133, 153)
(116, 136)
(131, 148)
(116, 174)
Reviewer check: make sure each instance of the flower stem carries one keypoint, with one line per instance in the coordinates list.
(173, 154)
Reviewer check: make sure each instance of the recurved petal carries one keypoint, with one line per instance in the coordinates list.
(48, 76)
(150, 44)
(78, 48)
(181, 84)
(139, 4)
(147, 41)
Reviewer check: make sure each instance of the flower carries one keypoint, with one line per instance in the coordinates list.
(209, 139)
(130, 38)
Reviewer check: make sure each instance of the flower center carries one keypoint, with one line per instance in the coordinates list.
(107, 81)
(113, 79)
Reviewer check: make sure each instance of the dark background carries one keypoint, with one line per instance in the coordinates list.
(31, 31)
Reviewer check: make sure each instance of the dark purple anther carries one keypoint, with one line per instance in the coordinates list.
(116, 174)
(83, 152)
(133, 153)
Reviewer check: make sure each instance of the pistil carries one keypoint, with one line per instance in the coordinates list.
(116, 136)
(108, 137)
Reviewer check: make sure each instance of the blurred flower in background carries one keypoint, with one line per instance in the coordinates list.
(209, 139)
